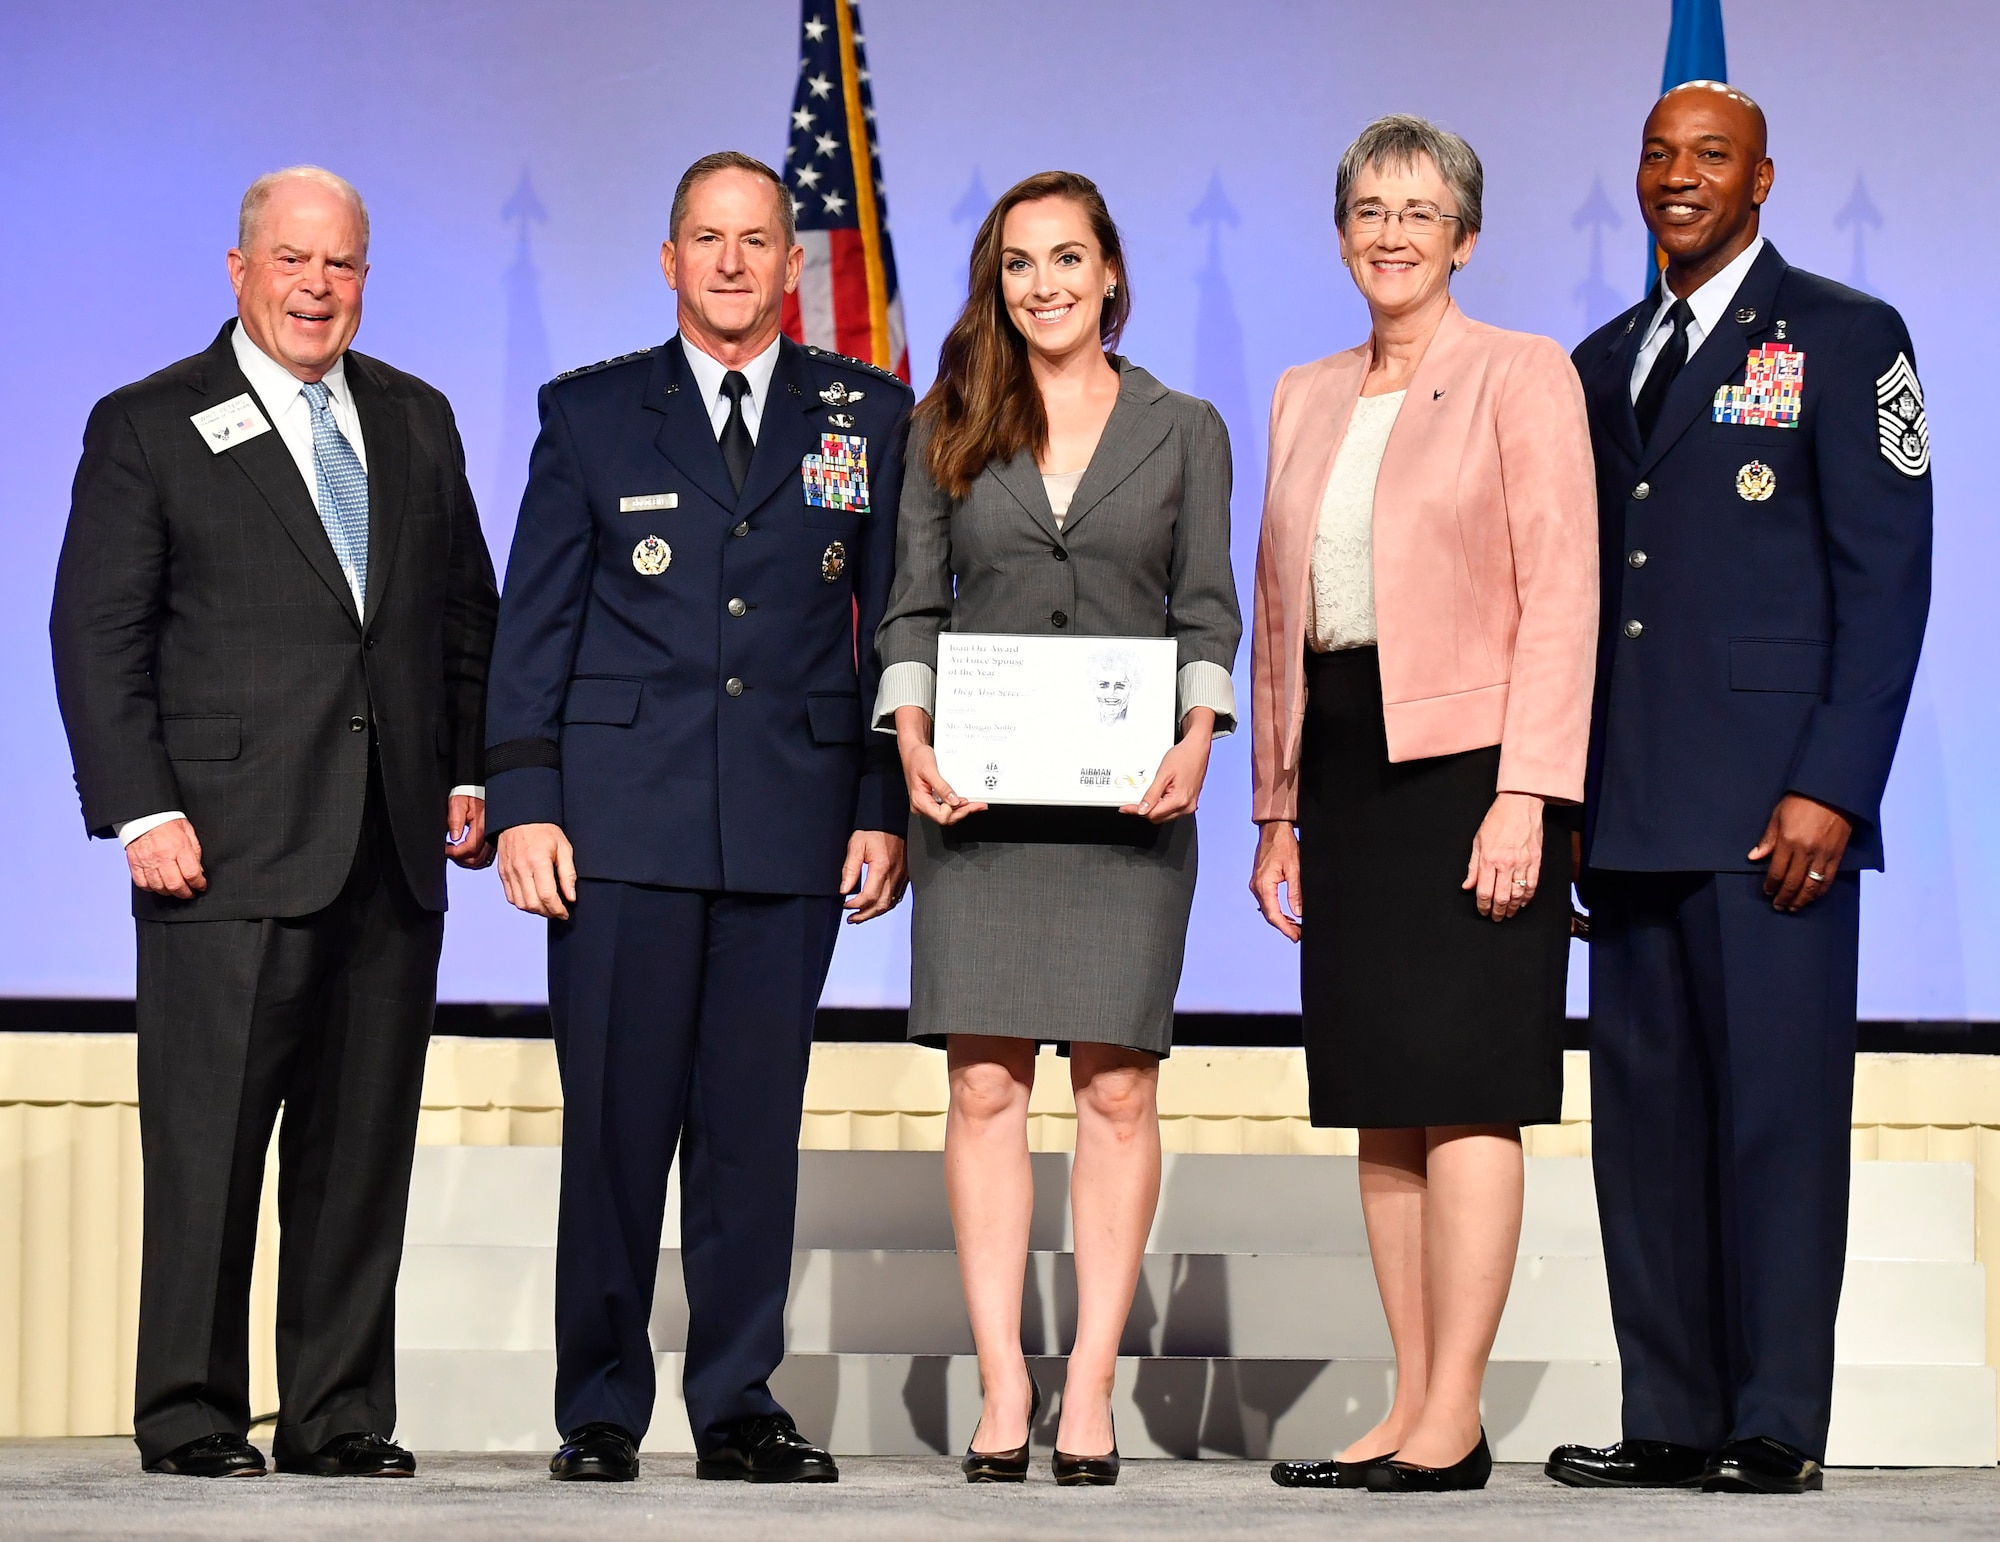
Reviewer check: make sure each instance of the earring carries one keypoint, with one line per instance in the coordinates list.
(1111, 291)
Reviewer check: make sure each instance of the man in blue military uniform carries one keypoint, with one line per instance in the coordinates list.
(683, 786)
(1764, 495)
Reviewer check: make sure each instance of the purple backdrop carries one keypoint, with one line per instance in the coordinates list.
(518, 156)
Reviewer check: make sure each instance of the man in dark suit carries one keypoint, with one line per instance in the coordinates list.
(1764, 496)
(682, 784)
(272, 618)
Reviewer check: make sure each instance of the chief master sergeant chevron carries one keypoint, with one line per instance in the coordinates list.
(683, 786)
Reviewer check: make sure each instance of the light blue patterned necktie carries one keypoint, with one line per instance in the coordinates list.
(343, 490)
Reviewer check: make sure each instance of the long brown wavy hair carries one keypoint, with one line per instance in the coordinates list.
(984, 406)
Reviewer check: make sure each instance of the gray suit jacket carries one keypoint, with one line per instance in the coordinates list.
(1142, 552)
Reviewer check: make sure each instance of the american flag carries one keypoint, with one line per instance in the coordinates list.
(847, 298)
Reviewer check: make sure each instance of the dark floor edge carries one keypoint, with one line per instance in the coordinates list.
(887, 1025)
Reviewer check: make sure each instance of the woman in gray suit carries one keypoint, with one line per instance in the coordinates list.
(1054, 488)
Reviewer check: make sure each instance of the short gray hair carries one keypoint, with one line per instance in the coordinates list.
(1400, 141)
(732, 160)
(258, 195)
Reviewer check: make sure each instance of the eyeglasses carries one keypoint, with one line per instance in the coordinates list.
(1417, 219)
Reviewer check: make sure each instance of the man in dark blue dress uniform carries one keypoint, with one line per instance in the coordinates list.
(683, 786)
(1764, 496)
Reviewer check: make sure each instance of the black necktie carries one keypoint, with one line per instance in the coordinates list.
(1653, 394)
(737, 445)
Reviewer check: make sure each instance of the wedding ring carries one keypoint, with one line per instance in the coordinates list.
(1520, 883)
(1815, 877)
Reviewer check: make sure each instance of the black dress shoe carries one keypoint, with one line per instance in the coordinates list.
(1003, 1466)
(1087, 1471)
(212, 1456)
(1762, 1465)
(1628, 1464)
(767, 1449)
(1334, 1474)
(1469, 1472)
(362, 1454)
(596, 1453)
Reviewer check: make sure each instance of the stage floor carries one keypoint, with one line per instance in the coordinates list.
(93, 1488)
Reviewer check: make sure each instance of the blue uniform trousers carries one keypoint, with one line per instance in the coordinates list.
(1722, 1040)
(685, 1019)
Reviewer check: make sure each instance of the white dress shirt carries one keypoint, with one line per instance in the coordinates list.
(1708, 304)
(708, 373)
(284, 401)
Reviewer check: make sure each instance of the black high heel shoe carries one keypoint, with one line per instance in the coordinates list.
(1334, 1474)
(1469, 1472)
(1004, 1466)
(1087, 1471)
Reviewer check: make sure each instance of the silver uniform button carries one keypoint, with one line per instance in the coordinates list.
(737, 607)
(742, 529)
(1643, 491)
(1637, 559)
(1632, 629)
(734, 686)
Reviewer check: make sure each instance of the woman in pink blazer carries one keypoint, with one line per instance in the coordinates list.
(1425, 626)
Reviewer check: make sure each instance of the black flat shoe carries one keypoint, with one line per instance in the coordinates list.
(359, 1454)
(1469, 1472)
(1334, 1474)
(1628, 1464)
(1004, 1466)
(221, 1455)
(1087, 1471)
(1762, 1465)
(767, 1449)
(596, 1453)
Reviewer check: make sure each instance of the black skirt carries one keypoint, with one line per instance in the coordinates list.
(1418, 1010)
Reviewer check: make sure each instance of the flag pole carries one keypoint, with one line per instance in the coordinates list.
(864, 189)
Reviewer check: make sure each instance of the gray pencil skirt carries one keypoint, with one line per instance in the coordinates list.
(1054, 924)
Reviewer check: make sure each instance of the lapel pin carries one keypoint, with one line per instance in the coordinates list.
(793, 387)
(1745, 316)
(1438, 396)
(838, 395)
(1630, 323)
(672, 389)
(1781, 328)
(841, 419)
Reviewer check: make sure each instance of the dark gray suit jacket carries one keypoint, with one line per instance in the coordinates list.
(208, 656)
(1142, 552)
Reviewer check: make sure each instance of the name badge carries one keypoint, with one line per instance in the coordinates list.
(648, 503)
(227, 426)
(837, 477)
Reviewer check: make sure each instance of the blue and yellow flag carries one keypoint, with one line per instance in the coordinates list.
(1694, 52)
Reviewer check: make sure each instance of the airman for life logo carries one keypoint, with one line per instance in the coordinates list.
(833, 562)
(1756, 482)
(1899, 419)
(651, 556)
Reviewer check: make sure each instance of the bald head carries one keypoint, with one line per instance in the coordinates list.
(1714, 96)
(1703, 178)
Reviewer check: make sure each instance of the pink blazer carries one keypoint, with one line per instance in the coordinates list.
(1485, 539)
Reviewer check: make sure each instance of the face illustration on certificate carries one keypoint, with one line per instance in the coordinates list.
(1054, 720)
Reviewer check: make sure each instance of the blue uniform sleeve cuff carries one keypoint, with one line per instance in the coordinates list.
(531, 795)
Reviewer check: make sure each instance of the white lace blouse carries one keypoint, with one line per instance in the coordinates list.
(1343, 558)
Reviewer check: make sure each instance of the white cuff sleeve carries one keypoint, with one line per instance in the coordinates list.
(468, 792)
(1209, 685)
(908, 684)
(132, 829)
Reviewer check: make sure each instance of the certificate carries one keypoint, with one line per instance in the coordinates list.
(1074, 720)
